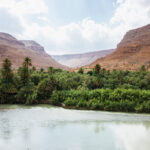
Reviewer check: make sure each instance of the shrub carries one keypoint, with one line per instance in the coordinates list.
(70, 102)
(25, 94)
(81, 104)
(95, 104)
(144, 107)
(45, 88)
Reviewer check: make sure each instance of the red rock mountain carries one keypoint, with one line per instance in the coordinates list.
(131, 53)
(78, 60)
(17, 50)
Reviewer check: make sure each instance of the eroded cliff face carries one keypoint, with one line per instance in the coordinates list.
(17, 50)
(131, 53)
(135, 36)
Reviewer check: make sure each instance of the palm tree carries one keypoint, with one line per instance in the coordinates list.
(50, 70)
(81, 70)
(24, 71)
(7, 73)
(97, 68)
(7, 87)
(27, 62)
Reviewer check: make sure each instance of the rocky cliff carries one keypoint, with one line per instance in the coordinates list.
(131, 53)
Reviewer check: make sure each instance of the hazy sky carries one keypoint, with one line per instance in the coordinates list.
(73, 26)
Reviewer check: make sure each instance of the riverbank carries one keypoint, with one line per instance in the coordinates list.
(118, 100)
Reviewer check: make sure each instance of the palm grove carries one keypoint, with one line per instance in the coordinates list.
(99, 89)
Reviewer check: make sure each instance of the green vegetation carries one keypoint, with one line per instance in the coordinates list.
(105, 99)
(99, 89)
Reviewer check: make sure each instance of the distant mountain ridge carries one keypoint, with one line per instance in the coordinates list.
(78, 60)
(17, 50)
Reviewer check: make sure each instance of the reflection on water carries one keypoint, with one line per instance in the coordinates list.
(52, 128)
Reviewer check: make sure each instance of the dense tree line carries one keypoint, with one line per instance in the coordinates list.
(99, 89)
(126, 100)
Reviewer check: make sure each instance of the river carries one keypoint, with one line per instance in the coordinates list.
(44, 127)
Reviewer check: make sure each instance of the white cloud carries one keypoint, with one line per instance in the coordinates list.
(23, 7)
(80, 36)
(119, 1)
(132, 13)
(73, 37)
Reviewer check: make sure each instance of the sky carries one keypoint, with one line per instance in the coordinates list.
(73, 26)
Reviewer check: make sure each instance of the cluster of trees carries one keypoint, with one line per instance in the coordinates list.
(26, 86)
(139, 79)
(30, 86)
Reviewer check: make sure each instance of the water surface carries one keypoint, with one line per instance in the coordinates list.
(44, 127)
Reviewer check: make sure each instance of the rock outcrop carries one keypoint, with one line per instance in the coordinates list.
(8, 39)
(131, 53)
(32, 45)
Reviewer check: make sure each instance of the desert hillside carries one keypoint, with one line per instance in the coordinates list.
(78, 60)
(131, 53)
(17, 50)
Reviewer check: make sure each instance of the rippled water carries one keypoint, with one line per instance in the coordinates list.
(44, 127)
